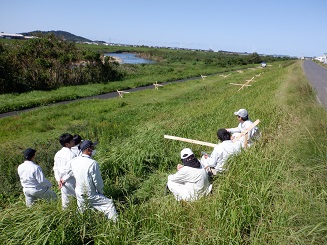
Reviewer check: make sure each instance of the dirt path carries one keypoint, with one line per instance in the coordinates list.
(317, 76)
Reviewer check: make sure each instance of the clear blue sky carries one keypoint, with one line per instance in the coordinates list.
(287, 27)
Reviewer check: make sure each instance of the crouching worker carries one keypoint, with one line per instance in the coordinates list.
(35, 185)
(215, 162)
(191, 180)
(89, 183)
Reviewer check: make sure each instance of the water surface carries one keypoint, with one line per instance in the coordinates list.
(129, 58)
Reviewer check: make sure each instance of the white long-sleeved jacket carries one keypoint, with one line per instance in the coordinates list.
(242, 127)
(192, 183)
(87, 175)
(76, 151)
(220, 154)
(62, 168)
(31, 175)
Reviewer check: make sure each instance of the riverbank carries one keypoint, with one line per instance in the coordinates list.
(149, 75)
(115, 59)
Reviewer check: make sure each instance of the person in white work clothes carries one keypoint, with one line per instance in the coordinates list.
(62, 170)
(191, 180)
(244, 122)
(89, 183)
(75, 148)
(216, 161)
(33, 181)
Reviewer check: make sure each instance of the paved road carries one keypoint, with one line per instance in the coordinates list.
(317, 76)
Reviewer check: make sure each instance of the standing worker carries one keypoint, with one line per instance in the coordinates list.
(62, 169)
(89, 183)
(35, 185)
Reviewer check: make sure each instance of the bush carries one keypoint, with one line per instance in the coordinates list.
(47, 63)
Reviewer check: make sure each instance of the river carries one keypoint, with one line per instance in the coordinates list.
(129, 58)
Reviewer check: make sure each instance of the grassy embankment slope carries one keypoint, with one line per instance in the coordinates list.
(273, 193)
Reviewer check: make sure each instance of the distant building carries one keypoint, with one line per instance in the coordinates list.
(14, 36)
(322, 59)
(11, 36)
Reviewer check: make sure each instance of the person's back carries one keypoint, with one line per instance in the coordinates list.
(62, 167)
(35, 185)
(89, 183)
(222, 152)
(199, 181)
(83, 168)
(191, 181)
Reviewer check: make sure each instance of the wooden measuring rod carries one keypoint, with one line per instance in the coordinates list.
(240, 84)
(120, 93)
(244, 84)
(198, 142)
(157, 85)
(190, 140)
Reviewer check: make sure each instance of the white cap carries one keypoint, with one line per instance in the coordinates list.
(241, 113)
(186, 152)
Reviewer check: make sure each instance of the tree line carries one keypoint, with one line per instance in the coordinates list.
(47, 63)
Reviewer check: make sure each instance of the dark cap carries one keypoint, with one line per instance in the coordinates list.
(29, 153)
(86, 144)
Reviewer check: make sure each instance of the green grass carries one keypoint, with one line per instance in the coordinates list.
(171, 65)
(139, 75)
(273, 193)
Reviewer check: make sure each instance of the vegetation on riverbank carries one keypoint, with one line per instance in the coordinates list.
(50, 70)
(48, 63)
(273, 193)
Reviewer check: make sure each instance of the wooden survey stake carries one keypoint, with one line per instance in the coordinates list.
(190, 140)
(120, 93)
(156, 85)
(246, 84)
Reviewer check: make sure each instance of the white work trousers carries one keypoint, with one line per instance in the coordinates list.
(34, 193)
(181, 191)
(67, 190)
(99, 202)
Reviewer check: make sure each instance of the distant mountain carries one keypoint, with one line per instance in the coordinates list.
(60, 34)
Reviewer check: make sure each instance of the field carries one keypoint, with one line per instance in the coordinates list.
(272, 193)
